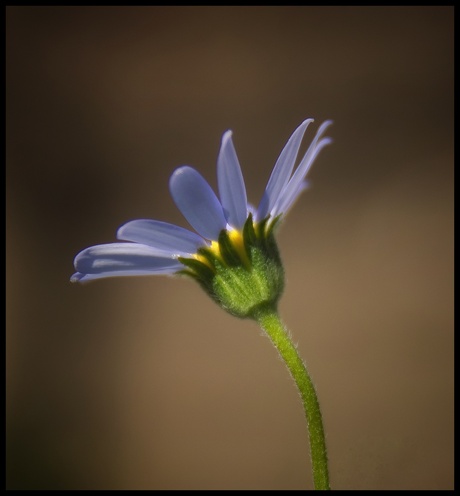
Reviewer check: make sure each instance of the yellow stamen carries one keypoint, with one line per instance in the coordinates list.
(213, 248)
(236, 237)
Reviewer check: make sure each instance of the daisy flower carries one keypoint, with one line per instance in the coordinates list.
(231, 253)
(154, 247)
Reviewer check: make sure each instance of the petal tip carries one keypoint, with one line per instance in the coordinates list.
(77, 277)
(307, 122)
(226, 137)
(180, 170)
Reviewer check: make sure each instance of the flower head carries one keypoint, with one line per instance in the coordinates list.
(232, 254)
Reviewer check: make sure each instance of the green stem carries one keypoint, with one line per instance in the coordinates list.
(270, 322)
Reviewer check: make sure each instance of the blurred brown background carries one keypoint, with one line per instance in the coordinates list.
(144, 383)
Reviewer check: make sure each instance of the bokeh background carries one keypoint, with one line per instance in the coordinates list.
(144, 383)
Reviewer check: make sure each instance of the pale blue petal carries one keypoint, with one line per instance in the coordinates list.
(231, 184)
(197, 202)
(161, 235)
(113, 259)
(282, 170)
(292, 189)
(80, 277)
(287, 201)
(252, 210)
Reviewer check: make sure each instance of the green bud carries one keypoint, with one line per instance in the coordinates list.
(242, 271)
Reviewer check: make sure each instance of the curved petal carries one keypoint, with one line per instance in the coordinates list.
(112, 259)
(197, 202)
(282, 170)
(230, 180)
(287, 201)
(80, 277)
(161, 235)
(291, 190)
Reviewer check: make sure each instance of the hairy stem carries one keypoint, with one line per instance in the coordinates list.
(270, 322)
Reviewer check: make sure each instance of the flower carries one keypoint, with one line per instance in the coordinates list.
(227, 230)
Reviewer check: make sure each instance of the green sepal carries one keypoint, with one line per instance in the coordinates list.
(271, 227)
(209, 255)
(199, 269)
(249, 235)
(239, 282)
(228, 251)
